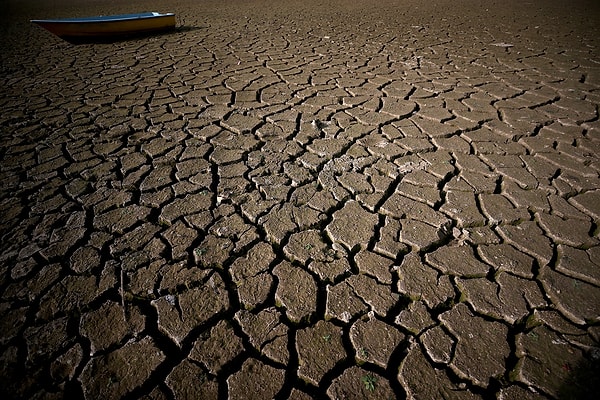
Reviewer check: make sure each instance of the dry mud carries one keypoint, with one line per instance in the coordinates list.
(285, 199)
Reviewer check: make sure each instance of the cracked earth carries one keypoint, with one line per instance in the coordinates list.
(296, 200)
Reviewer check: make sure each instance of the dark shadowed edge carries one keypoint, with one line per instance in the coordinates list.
(583, 382)
(127, 37)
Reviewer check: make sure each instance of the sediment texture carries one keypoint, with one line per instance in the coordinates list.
(296, 200)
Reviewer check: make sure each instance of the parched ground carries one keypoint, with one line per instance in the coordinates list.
(289, 199)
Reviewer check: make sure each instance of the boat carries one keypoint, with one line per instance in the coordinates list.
(108, 26)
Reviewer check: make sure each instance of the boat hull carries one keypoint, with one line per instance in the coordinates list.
(106, 27)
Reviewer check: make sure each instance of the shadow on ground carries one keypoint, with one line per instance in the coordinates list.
(583, 382)
(130, 36)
